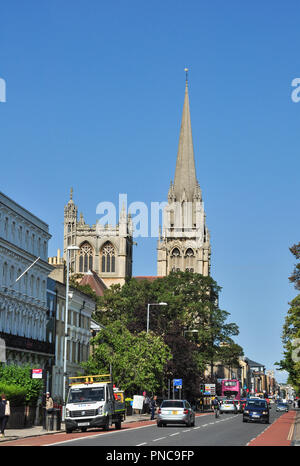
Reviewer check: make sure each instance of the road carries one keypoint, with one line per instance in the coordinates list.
(227, 430)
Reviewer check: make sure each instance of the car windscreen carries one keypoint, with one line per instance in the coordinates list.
(172, 404)
(256, 404)
(84, 395)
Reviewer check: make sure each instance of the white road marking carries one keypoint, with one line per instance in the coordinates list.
(156, 439)
(176, 433)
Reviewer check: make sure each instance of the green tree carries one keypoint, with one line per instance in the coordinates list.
(138, 360)
(291, 330)
(192, 304)
(20, 377)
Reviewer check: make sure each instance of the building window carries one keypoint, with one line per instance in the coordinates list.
(108, 258)
(85, 258)
(189, 260)
(175, 260)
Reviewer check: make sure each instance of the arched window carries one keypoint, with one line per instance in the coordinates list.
(189, 260)
(85, 258)
(4, 275)
(175, 260)
(108, 258)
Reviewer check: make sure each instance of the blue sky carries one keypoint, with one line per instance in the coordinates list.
(94, 99)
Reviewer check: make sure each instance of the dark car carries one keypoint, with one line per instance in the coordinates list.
(256, 410)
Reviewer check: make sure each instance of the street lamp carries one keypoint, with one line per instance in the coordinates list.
(148, 309)
(69, 248)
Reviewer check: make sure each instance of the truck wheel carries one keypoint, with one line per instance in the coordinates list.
(106, 426)
(118, 425)
(69, 431)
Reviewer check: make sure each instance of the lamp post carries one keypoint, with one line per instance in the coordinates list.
(69, 248)
(148, 311)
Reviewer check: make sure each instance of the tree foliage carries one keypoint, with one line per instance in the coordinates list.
(137, 360)
(291, 330)
(192, 326)
(20, 377)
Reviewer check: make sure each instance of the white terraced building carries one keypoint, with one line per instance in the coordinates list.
(23, 303)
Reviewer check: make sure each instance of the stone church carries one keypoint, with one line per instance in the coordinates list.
(184, 241)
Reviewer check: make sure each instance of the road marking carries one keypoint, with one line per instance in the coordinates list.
(140, 444)
(187, 430)
(176, 433)
(291, 432)
(198, 427)
(156, 439)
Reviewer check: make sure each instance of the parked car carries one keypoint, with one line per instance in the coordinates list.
(228, 406)
(256, 410)
(282, 407)
(175, 412)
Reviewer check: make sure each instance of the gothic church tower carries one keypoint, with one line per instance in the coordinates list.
(184, 243)
(106, 250)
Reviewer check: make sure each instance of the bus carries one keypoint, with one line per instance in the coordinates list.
(231, 388)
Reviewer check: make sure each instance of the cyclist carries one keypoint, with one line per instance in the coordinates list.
(216, 406)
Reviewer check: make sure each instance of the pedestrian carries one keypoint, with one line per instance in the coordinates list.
(4, 413)
(146, 404)
(49, 403)
(153, 406)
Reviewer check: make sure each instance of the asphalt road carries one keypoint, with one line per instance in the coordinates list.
(227, 430)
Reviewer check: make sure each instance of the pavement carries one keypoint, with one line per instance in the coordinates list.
(284, 431)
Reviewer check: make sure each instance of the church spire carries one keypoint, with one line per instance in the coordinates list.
(185, 174)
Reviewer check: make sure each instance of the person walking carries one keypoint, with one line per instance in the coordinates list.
(4, 413)
(49, 403)
(153, 406)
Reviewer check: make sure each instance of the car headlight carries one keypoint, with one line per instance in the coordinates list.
(100, 410)
(246, 411)
(67, 412)
(265, 412)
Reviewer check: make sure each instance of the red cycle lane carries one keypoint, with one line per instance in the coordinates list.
(279, 433)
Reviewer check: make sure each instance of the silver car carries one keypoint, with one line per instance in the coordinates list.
(175, 412)
(228, 406)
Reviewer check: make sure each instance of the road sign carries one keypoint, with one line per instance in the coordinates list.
(177, 383)
(210, 389)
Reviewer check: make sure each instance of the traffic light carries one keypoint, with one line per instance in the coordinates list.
(202, 387)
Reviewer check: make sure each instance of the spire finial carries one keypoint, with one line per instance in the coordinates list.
(71, 194)
(186, 75)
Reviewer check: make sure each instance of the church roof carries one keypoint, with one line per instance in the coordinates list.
(149, 278)
(185, 180)
(95, 282)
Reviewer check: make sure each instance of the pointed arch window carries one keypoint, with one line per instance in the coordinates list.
(175, 260)
(108, 258)
(189, 260)
(85, 258)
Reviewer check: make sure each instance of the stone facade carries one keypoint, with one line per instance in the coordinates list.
(184, 242)
(107, 250)
(81, 307)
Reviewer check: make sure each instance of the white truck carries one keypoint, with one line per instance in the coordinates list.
(93, 402)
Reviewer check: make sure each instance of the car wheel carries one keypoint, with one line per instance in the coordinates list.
(159, 424)
(245, 420)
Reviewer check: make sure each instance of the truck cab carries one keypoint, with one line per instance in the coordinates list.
(91, 402)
